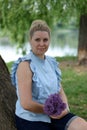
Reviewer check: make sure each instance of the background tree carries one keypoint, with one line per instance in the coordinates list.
(7, 99)
(17, 15)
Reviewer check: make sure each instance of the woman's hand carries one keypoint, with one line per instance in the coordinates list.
(65, 112)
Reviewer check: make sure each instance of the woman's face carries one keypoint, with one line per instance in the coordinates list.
(40, 43)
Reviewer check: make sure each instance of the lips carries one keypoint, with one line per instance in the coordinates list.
(41, 48)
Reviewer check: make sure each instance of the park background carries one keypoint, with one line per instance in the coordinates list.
(68, 22)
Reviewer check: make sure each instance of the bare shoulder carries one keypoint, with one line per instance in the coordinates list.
(24, 63)
(24, 67)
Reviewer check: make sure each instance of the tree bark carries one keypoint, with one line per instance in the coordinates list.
(82, 46)
(7, 99)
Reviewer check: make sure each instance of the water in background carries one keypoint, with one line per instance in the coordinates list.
(63, 44)
(9, 53)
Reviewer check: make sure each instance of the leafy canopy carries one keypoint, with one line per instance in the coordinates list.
(17, 15)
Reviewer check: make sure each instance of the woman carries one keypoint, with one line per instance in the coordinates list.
(36, 76)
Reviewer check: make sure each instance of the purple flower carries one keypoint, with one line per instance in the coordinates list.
(54, 105)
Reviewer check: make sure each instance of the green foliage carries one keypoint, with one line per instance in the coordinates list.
(17, 15)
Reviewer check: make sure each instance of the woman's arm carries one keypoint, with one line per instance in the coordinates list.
(64, 99)
(24, 76)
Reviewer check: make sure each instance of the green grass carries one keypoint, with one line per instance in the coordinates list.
(9, 65)
(75, 86)
(66, 58)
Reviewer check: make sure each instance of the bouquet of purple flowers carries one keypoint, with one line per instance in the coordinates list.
(54, 105)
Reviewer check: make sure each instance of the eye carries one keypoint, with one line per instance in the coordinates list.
(37, 39)
(45, 39)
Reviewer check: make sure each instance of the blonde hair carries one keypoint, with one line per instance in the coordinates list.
(38, 25)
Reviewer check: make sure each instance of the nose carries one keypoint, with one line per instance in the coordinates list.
(41, 43)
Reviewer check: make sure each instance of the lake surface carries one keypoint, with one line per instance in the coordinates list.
(63, 44)
(9, 53)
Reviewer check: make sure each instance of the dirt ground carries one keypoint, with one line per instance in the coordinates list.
(74, 65)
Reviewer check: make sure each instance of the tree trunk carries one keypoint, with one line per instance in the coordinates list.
(7, 99)
(82, 46)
